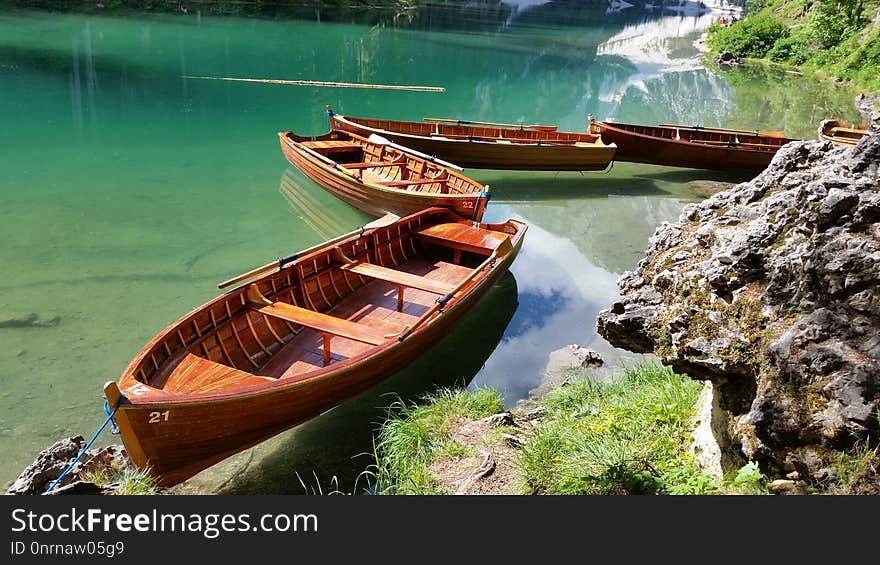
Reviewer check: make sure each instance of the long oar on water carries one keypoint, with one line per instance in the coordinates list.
(536, 127)
(324, 83)
(726, 130)
(385, 220)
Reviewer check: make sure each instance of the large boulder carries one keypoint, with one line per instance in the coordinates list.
(771, 291)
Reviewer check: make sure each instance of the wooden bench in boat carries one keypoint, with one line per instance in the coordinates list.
(848, 130)
(368, 165)
(400, 279)
(511, 140)
(329, 326)
(462, 237)
(414, 182)
(332, 144)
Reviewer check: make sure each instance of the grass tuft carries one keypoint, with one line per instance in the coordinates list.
(126, 480)
(623, 437)
(415, 434)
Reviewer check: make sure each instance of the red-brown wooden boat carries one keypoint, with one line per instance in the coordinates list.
(380, 177)
(695, 147)
(485, 145)
(842, 133)
(301, 335)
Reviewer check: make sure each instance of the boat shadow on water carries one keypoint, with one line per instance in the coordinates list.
(625, 179)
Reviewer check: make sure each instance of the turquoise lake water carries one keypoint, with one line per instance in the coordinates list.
(128, 192)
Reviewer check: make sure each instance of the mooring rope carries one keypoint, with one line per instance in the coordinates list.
(114, 429)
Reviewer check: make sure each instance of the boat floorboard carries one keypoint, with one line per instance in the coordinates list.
(374, 305)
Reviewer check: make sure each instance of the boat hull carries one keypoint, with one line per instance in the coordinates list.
(376, 200)
(175, 437)
(640, 148)
(493, 155)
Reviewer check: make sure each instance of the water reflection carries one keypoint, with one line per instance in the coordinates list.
(309, 207)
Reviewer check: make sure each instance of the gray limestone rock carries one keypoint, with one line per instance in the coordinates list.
(774, 298)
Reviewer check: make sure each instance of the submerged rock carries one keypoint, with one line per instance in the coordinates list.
(771, 291)
(31, 320)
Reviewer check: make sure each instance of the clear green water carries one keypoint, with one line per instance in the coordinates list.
(128, 192)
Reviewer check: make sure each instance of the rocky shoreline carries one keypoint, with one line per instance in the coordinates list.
(771, 292)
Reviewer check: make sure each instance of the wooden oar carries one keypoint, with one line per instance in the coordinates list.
(325, 83)
(378, 139)
(493, 124)
(504, 247)
(385, 220)
(726, 130)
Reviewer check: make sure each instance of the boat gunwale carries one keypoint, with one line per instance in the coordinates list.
(688, 143)
(156, 397)
(309, 152)
(598, 144)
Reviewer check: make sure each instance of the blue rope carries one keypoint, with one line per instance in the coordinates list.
(109, 419)
(484, 194)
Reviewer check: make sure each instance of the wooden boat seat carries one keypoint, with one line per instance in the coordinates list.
(462, 237)
(194, 374)
(332, 145)
(413, 182)
(368, 165)
(400, 279)
(848, 130)
(329, 326)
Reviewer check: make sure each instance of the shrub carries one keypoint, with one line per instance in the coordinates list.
(790, 49)
(834, 21)
(751, 37)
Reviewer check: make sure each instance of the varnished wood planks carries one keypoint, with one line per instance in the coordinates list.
(490, 148)
(201, 409)
(689, 147)
(382, 178)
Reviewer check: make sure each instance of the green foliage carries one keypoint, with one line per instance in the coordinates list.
(750, 37)
(682, 476)
(792, 49)
(749, 480)
(416, 434)
(854, 463)
(834, 36)
(754, 6)
(834, 21)
(624, 437)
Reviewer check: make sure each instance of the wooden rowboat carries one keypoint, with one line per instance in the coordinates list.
(691, 146)
(301, 335)
(380, 177)
(495, 146)
(842, 133)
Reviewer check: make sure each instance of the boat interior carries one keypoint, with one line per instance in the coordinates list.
(479, 133)
(850, 134)
(381, 164)
(323, 308)
(708, 137)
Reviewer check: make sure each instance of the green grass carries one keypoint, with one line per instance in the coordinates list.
(125, 480)
(416, 434)
(625, 437)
